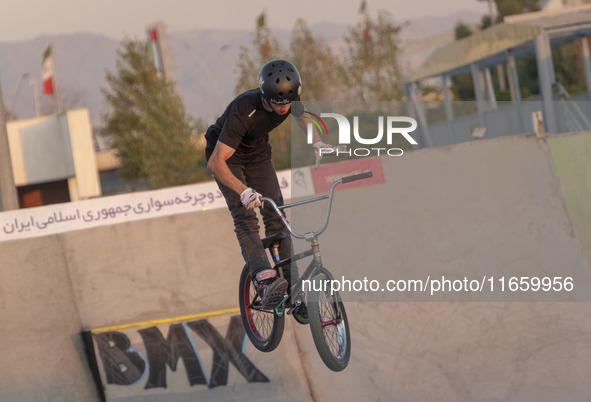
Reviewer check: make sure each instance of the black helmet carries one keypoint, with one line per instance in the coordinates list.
(280, 82)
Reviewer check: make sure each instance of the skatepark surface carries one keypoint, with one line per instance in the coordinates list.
(486, 211)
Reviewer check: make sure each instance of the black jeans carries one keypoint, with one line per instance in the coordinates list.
(262, 178)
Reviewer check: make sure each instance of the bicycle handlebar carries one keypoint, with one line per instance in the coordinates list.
(365, 175)
(328, 196)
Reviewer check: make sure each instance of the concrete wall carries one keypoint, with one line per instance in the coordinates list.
(42, 353)
(492, 207)
(87, 184)
(40, 150)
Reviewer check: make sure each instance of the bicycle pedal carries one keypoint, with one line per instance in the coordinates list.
(272, 304)
(285, 297)
(279, 310)
(293, 306)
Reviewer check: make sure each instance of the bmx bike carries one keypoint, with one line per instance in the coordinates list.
(326, 312)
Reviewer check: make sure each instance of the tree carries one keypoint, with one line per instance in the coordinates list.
(147, 123)
(320, 70)
(371, 61)
(569, 66)
(369, 70)
(511, 7)
(462, 86)
(264, 47)
(462, 30)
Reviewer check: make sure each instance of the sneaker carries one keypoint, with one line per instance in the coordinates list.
(265, 274)
(300, 313)
(271, 289)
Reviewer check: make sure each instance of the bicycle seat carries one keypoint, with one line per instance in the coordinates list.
(275, 238)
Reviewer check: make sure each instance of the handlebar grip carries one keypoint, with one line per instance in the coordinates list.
(365, 175)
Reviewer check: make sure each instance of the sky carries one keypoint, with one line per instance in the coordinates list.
(116, 19)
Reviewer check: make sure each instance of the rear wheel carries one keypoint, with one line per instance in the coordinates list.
(263, 327)
(328, 323)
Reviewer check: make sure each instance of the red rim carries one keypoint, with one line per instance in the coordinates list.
(249, 316)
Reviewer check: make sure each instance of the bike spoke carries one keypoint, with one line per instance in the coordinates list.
(264, 327)
(262, 324)
(331, 325)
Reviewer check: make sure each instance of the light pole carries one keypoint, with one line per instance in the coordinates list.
(33, 83)
(18, 89)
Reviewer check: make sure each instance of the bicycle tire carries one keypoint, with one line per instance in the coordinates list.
(328, 324)
(263, 327)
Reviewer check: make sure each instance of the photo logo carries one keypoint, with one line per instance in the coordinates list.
(391, 127)
(317, 122)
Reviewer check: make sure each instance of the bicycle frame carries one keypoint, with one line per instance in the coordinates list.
(311, 237)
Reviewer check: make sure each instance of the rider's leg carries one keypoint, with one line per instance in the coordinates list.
(246, 228)
(263, 178)
(247, 233)
(246, 225)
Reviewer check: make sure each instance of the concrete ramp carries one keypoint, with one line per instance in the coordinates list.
(513, 207)
(206, 357)
(473, 222)
(460, 352)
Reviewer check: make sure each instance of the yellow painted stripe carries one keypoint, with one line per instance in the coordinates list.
(166, 320)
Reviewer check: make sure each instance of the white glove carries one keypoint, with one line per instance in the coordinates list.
(250, 198)
(321, 149)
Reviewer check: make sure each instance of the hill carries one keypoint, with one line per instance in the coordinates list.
(204, 62)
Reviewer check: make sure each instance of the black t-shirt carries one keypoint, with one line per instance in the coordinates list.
(245, 126)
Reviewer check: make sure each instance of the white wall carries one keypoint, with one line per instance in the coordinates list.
(56, 147)
(40, 150)
(87, 178)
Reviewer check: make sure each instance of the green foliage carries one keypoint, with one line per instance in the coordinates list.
(526, 67)
(321, 73)
(462, 30)
(147, 123)
(372, 60)
(527, 71)
(264, 47)
(485, 22)
(368, 70)
(568, 66)
(462, 87)
(511, 7)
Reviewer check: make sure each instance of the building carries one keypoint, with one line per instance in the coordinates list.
(53, 158)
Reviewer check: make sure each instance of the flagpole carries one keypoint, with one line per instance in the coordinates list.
(58, 100)
(55, 86)
(50, 86)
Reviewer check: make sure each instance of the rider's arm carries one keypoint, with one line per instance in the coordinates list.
(219, 167)
(303, 123)
(320, 148)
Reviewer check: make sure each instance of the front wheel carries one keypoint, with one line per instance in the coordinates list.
(328, 323)
(263, 327)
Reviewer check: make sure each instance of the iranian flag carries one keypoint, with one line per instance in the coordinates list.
(363, 21)
(47, 72)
